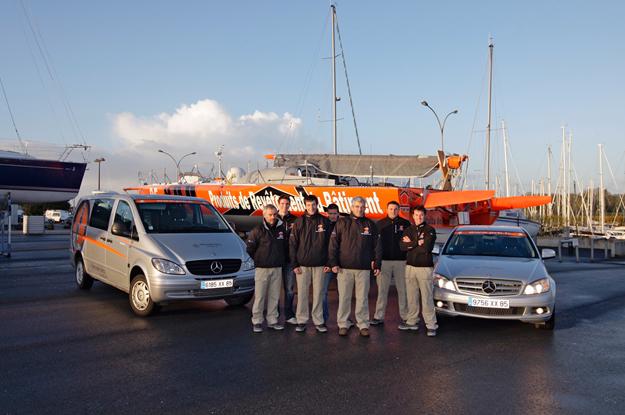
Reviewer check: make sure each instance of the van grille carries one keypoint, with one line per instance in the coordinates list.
(476, 286)
(484, 311)
(211, 266)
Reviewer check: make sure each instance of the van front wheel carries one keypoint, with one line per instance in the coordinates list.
(140, 298)
(83, 280)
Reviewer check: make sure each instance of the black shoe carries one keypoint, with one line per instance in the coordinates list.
(300, 328)
(376, 322)
(431, 333)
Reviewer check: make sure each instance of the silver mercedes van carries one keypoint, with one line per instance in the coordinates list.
(159, 249)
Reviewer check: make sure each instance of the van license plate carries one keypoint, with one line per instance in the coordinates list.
(488, 302)
(212, 284)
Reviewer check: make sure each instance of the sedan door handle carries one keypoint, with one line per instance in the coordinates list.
(109, 241)
(102, 238)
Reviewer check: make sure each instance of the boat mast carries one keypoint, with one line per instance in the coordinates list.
(601, 190)
(569, 209)
(563, 179)
(334, 99)
(549, 208)
(490, 96)
(505, 157)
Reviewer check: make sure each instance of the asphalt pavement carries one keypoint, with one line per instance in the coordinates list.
(63, 350)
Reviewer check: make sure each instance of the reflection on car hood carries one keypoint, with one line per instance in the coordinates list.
(523, 269)
(195, 246)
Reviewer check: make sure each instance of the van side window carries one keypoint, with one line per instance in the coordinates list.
(123, 214)
(101, 213)
(80, 219)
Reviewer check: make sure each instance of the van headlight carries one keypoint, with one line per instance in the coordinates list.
(247, 264)
(537, 287)
(441, 281)
(167, 267)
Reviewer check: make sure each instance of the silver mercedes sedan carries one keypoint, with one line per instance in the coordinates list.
(495, 272)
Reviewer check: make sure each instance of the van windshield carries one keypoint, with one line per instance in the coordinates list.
(179, 217)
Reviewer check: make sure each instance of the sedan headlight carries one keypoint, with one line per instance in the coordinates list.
(167, 267)
(537, 287)
(443, 282)
(248, 264)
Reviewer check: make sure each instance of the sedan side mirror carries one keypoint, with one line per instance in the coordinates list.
(547, 253)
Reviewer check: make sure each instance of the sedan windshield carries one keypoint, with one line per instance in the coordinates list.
(490, 243)
(179, 217)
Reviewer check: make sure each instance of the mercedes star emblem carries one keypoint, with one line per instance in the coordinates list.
(216, 267)
(489, 287)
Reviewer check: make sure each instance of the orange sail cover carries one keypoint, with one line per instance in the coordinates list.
(519, 202)
(437, 199)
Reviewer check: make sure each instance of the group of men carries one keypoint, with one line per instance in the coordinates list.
(312, 249)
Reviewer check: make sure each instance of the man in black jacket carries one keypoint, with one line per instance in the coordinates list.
(308, 248)
(418, 242)
(288, 276)
(333, 215)
(354, 251)
(267, 245)
(393, 263)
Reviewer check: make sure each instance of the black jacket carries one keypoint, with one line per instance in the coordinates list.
(419, 256)
(308, 242)
(354, 243)
(288, 220)
(391, 232)
(267, 245)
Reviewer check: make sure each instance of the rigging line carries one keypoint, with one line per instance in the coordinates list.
(39, 41)
(307, 82)
(349, 90)
(17, 133)
(622, 196)
(43, 85)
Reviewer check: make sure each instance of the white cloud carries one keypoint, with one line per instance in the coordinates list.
(202, 126)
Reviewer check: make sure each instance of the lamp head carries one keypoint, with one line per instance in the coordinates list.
(424, 103)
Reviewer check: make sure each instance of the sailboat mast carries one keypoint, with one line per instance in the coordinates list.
(601, 190)
(490, 97)
(334, 144)
(549, 209)
(505, 157)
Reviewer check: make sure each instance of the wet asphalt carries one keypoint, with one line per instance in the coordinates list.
(63, 350)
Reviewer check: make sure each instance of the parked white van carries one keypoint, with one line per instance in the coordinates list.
(159, 249)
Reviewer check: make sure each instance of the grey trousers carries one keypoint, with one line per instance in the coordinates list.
(419, 284)
(268, 282)
(317, 276)
(347, 279)
(391, 270)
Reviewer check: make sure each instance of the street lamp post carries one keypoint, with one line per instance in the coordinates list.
(177, 163)
(440, 125)
(99, 161)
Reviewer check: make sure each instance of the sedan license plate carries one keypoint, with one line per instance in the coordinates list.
(488, 302)
(213, 284)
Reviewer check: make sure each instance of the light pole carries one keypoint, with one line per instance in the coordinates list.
(99, 161)
(177, 163)
(441, 125)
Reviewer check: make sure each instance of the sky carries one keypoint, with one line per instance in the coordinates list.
(133, 77)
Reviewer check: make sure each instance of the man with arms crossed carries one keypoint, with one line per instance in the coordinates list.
(354, 251)
(418, 242)
(267, 245)
(308, 247)
(288, 277)
(393, 263)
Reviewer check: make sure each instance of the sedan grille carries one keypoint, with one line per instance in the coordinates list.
(214, 266)
(488, 286)
(484, 311)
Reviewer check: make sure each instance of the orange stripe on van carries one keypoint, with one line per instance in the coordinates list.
(102, 245)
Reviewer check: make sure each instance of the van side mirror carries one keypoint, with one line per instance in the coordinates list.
(134, 235)
(119, 228)
(436, 250)
(547, 253)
